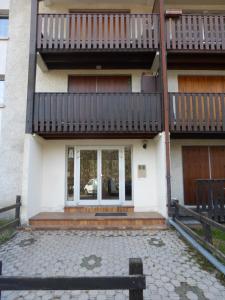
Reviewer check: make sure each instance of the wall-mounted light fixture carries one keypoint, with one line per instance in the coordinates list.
(144, 144)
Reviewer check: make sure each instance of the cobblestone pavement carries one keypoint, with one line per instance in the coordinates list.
(172, 270)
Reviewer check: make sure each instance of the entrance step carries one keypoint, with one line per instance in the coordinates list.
(87, 221)
(98, 209)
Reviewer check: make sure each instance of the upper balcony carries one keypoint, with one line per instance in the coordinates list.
(195, 41)
(112, 40)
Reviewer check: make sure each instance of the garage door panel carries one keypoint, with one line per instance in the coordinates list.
(217, 162)
(99, 84)
(195, 166)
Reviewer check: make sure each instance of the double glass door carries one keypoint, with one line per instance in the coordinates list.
(100, 176)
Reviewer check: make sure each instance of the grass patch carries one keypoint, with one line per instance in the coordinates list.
(200, 259)
(218, 237)
(7, 233)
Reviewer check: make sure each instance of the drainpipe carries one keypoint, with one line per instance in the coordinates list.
(32, 66)
(159, 8)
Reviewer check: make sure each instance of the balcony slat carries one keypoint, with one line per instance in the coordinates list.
(68, 33)
(128, 31)
(39, 33)
(122, 39)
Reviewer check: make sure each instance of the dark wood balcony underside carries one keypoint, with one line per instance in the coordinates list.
(81, 59)
(195, 60)
(109, 115)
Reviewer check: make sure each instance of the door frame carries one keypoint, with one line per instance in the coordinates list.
(77, 201)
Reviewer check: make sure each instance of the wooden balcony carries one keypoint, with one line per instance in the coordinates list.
(202, 36)
(97, 115)
(63, 38)
(197, 113)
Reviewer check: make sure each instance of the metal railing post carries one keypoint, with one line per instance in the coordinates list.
(136, 268)
(17, 212)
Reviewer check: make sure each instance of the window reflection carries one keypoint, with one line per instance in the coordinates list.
(110, 174)
(88, 174)
(128, 175)
(70, 174)
(4, 25)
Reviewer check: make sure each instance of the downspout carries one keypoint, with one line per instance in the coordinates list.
(32, 66)
(159, 8)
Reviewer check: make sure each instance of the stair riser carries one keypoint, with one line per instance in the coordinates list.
(99, 224)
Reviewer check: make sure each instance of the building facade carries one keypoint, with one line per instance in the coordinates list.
(114, 103)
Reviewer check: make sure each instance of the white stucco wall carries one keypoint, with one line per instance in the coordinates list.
(59, 6)
(177, 163)
(47, 175)
(14, 114)
(32, 176)
(161, 184)
(200, 5)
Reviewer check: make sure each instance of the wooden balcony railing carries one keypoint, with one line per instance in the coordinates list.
(196, 32)
(202, 112)
(97, 113)
(98, 31)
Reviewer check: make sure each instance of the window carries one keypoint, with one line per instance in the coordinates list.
(4, 26)
(2, 88)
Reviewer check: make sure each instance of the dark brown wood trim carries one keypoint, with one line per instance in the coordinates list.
(32, 67)
(98, 136)
(163, 65)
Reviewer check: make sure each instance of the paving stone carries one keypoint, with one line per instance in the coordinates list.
(172, 271)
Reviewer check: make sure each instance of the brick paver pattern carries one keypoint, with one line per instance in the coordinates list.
(171, 268)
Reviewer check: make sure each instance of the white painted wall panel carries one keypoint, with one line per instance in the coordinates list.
(32, 176)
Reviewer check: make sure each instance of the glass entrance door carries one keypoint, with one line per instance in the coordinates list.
(100, 176)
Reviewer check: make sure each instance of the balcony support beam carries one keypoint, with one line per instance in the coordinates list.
(32, 66)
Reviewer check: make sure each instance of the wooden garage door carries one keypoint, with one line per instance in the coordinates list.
(197, 84)
(195, 166)
(99, 84)
(201, 162)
